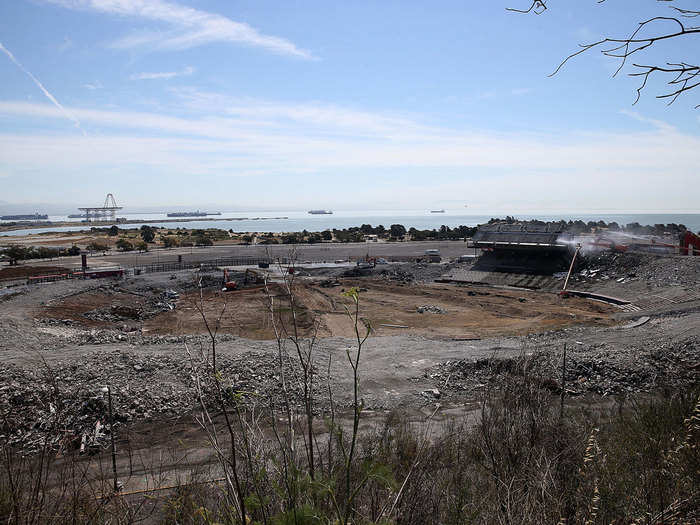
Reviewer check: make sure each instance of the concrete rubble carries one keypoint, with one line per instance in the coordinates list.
(590, 369)
(65, 402)
(151, 377)
(430, 309)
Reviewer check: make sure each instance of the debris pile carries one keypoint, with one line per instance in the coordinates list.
(588, 370)
(63, 406)
(661, 270)
(396, 273)
(431, 309)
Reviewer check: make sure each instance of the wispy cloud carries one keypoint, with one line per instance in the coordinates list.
(165, 75)
(258, 138)
(316, 117)
(48, 95)
(307, 141)
(93, 85)
(188, 27)
(658, 124)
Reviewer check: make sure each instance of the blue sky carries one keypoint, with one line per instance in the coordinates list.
(285, 105)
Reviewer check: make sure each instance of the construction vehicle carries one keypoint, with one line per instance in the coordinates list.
(366, 263)
(601, 242)
(228, 285)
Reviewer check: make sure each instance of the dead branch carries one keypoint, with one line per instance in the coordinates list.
(683, 75)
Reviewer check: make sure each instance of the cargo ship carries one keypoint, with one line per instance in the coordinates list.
(192, 214)
(32, 217)
(437, 211)
(320, 212)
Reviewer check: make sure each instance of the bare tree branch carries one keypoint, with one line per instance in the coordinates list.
(684, 75)
(538, 7)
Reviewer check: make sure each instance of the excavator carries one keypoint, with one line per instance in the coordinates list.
(251, 276)
(228, 285)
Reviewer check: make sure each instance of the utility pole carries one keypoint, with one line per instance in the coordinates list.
(573, 260)
(563, 384)
(111, 434)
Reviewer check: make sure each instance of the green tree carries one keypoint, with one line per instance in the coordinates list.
(17, 253)
(124, 245)
(327, 235)
(203, 240)
(148, 233)
(170, 241)
(97, 246)
(397, 231)
(113, 231)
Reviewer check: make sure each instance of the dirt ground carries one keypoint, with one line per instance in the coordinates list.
(87, 334)
(390, 308)
(79, 307)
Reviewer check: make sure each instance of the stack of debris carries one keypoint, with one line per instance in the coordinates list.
(64, 407)
(588, 370)
(431, 309)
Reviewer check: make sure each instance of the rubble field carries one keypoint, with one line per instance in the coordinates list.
(432, 343)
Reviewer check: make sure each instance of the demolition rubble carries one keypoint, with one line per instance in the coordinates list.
(441, 333)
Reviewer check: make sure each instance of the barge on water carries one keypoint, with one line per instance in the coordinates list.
(29, 217)
(192, 213)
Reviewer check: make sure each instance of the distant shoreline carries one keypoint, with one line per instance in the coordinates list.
(279, 221)
(102, 224)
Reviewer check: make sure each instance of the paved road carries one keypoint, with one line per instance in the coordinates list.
(304, 252)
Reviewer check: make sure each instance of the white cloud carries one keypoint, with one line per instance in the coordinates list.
(653, 168)
(188, 27)
(288, 138)
(165, 75)
(92, 86)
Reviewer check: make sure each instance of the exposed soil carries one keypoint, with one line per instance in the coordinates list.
(82, 335)
(468, 311)
(82, 307)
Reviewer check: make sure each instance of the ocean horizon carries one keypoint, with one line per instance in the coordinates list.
(272, 221)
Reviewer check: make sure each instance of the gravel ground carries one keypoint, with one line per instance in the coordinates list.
(53, 372)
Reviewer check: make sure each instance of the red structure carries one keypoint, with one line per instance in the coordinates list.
(689, 244)
(99, 273)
